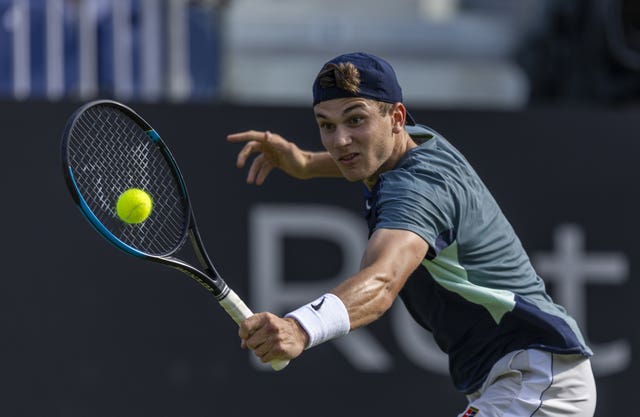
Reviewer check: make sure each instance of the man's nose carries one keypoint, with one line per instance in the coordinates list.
(342, 136)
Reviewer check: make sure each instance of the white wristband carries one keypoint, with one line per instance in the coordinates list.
(323, 319)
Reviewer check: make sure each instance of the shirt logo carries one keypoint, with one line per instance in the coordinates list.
(471, 411)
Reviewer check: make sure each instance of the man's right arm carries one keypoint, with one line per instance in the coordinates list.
(321, 165)
(276, 152)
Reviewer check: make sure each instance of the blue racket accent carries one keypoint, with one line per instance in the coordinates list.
(155, 137)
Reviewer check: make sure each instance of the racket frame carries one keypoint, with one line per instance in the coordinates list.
(210, 279)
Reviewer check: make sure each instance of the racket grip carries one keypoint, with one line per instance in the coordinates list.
(239, 311)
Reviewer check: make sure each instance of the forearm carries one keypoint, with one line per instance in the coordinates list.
(390, 258)
(319, 165)
(355, 303)
(367, 296)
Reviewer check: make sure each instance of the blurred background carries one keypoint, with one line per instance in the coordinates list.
(449, 53)
(542, 96)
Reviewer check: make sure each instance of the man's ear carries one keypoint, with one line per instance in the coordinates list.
(399, 114)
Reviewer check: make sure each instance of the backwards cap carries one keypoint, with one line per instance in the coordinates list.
(377, 81)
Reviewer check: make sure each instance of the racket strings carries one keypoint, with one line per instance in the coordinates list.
(110, 153)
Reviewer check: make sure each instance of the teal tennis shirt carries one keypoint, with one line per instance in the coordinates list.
(476, 289)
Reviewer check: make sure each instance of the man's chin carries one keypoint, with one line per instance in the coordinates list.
(352, 177)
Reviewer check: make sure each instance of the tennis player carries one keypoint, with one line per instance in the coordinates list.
(439, 240)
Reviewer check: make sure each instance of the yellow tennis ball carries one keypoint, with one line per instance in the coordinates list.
(134, 206)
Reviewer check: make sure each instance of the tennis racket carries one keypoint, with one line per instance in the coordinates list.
(106, 149)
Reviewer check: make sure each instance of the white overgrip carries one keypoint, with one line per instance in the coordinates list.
(239, 311)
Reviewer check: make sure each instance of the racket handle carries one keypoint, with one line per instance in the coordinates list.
(239, 311)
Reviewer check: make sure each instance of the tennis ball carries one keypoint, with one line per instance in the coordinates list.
(134, 206)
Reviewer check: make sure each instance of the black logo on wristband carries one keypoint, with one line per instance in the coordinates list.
(316, 307)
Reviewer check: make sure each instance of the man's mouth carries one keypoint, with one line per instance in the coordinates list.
(348, 157)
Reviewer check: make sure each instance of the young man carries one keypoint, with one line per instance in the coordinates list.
(438, 240)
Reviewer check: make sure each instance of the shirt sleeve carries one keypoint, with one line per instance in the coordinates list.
(421, 204)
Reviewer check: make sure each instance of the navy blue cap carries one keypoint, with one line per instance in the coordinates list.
(378, 81)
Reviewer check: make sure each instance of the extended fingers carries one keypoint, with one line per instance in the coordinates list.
(253, 138)
(260, 168)
(246, 151)
(263, 143)
(248, 136)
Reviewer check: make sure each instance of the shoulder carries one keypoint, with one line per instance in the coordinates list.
(435, 161)
(420, 166)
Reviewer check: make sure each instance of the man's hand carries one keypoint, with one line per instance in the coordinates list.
(274, 152)
(271, 337)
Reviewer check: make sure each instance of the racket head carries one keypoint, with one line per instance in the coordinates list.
(108, 148)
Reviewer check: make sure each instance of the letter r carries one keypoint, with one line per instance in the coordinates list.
(268, 226)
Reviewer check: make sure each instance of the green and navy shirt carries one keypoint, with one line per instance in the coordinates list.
(476, 289)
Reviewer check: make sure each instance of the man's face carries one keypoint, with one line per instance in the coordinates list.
(358, 137)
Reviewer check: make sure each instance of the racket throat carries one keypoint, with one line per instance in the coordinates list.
(210, 279)
(212, 283)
